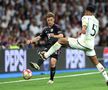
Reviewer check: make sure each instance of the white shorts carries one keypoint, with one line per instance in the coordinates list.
(73, 43)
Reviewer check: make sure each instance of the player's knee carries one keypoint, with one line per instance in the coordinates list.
(53, 64)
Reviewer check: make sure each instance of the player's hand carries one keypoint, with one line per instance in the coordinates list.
(51, 35)
(79, 33)
(29, 41)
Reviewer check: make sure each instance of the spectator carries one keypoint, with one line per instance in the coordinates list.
(16, 19)
(34, 29)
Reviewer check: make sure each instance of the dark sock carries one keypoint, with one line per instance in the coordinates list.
(40, 62)
(52, 73)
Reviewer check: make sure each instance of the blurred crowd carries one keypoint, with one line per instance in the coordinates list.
(24, 19)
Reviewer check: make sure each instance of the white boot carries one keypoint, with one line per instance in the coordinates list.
(50, 82)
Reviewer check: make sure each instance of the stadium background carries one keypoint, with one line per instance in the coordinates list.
(24, 19)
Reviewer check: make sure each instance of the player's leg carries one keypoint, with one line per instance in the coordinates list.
(55, 47)
(36, 65)
(72, 42)
(39, 62)
(52, 70)
(99, 66)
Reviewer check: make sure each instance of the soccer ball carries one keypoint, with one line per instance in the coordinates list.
(27, 74)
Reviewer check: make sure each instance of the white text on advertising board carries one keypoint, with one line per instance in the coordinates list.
(15, 60)
(75, 59)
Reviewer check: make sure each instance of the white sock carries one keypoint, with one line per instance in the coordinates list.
(102, 70)
(100, 67)
(105, 75)
(53, 49)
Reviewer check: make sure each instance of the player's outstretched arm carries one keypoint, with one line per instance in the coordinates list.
(56, 36)
(35, 39)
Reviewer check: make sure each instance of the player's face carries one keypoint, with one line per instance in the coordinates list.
(87, 13)
(50, 21)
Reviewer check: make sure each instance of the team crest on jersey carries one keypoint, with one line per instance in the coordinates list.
(51, 30)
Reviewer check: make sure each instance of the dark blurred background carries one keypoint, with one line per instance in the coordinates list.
(24, 19)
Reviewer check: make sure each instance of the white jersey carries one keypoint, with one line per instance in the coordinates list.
(87, 40)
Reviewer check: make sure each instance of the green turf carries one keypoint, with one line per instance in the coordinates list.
(88, 82)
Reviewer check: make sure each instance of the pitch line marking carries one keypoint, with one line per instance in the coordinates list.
(37, 79)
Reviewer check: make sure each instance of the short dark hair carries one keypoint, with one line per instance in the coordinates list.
(90, 8)
(50, 14)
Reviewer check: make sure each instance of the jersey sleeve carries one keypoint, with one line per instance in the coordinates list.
(59, 30)
(84, 20)
(43, 34)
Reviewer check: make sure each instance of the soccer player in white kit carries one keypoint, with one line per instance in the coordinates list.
(90, 27)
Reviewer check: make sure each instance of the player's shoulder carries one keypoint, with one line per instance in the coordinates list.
(85, 17)
(96, 19)
(56, 25)
(45, 28)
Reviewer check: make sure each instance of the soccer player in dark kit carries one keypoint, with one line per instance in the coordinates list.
(51, 33)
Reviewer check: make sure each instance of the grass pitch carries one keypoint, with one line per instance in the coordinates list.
(84, 80)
